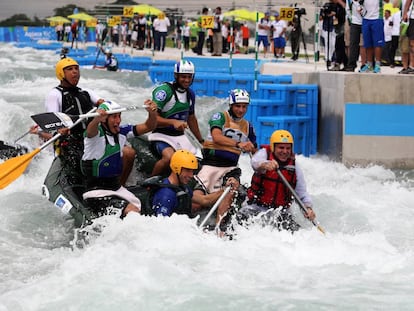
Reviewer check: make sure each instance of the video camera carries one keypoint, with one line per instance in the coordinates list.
(327, 8)
(300, 11)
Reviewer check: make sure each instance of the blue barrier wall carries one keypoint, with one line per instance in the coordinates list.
(30, 34)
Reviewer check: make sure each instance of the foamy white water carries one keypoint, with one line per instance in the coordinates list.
(365, 261)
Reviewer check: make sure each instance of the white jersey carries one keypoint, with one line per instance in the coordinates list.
(372, 8)
(278, 28)
(263, 32)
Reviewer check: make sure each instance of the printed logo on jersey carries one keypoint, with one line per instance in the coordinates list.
(216, 116)
(161, 95)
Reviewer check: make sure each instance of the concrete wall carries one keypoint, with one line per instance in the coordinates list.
(378, 130)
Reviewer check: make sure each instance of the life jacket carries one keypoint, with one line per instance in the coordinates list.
(236, 130)
(151, 185)
(218, 155)
(268, 190)
(75, 101)
(104, 173)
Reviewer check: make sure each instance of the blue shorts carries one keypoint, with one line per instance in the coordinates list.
(279, 42)
(264, 40)
(160, 146)
(373, 33)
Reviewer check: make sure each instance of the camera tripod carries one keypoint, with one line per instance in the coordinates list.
(301, 38)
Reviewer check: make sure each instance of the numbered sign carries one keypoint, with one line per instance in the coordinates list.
(207, 21)
(128, 11)
(91, 22)
(287, 14)
(116, 19)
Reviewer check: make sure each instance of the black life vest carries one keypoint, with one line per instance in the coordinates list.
(268, 190)
(146, 192)
(76, 101)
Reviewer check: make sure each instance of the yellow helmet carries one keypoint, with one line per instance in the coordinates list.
(183, 159)
(280, 136)
(62, 64)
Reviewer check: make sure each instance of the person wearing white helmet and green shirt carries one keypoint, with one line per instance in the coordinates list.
(230, 135)
(176, 111)
(102, 162)
(268, 196)
(111, 62)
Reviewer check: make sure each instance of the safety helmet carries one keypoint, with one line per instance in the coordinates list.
(109, 105)
(108, 51)
(183, 159)
(280, 136)
(62, 64)
(184, 66)
(239, 96)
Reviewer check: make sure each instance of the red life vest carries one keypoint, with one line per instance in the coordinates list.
(268, 189)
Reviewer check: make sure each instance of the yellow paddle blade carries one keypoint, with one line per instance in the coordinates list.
(320, 229)
(11, 169)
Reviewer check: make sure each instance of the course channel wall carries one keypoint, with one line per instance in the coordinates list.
(365, 119)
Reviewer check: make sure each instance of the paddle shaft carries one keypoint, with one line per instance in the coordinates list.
(301, 205)
(95, 114)
(21, 136)
(97, 55)
(215, 206)
(190, 135)
(86, 115)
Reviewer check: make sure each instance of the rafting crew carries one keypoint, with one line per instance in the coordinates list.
(189, 185)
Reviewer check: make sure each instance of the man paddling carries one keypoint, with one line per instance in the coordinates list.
(176, 112)
(268, 194)
(174, 195)
(68, 98)
(111, 62)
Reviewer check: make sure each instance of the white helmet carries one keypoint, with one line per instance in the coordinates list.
(238, 96)
(109, 105)
(184, 66)
(108, 51)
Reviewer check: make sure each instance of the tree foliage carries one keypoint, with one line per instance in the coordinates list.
(68, 10)
(21, 19)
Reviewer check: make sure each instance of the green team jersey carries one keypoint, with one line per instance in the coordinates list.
(173, 104)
